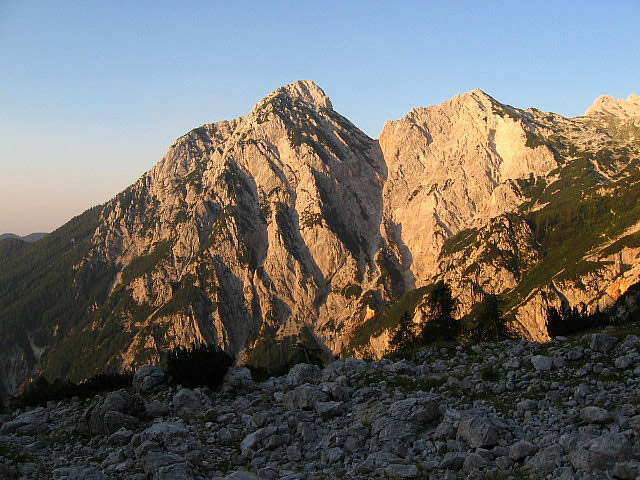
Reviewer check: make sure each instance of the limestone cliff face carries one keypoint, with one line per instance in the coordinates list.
(266, 219)
(485, 196)
(451, 167)
(290, 223)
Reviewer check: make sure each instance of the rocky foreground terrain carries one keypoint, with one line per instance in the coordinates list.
(517, 409)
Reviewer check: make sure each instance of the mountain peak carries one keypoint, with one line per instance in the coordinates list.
(308, 91)
(475, 96)
(305, 90)
(607, 105)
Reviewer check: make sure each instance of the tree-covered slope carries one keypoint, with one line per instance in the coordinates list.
(9, 246)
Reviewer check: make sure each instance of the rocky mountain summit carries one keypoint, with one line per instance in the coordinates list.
(609, 106)
(565, 409)
(289, 229)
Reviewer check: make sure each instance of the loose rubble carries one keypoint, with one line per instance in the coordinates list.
(512, 410)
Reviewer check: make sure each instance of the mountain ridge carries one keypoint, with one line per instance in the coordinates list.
(290, 223)
(30, 238)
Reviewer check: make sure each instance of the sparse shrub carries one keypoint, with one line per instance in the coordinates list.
(489, 374)
(103, 382)
(259, 374)
(271, 357)
(201, 365)
(40, 391)
(567, 321)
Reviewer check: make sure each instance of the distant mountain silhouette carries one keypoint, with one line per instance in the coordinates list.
(32, 237)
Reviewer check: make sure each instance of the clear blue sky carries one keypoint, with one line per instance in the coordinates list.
(93, 92)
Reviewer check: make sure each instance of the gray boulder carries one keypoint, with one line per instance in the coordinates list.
(521, 449)
(399, 470)
(156, 408)
(544, 461)
(474, 462)
(175, 471)
(602, 343)
(542, 363)
(172, 436)
(478, 431)
(33, 421)
(419, 410)
(120, 437)
(243, 476)
(404, 419)
(391, 430)
(623, 362)
(596, 415)
(188, 402)
(237, 379)
(114, 421)
(149, 378)
(106, 415)
(253, 440)
(630, 343)
(601, 453)
(304, 397)
(154, 461)
(527, 405)
(453, 461)
(8, 472)
(304, 373)
(446, 429)
(336, 391)
(79, 473)
(328, 410)
(628, 470)
(634, 424)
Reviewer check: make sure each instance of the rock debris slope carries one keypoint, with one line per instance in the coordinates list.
(289, 229)
(562, 410)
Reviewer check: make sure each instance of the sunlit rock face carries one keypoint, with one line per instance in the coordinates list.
(609, 106)
(270, 217)
(291, 225)
(452, 167)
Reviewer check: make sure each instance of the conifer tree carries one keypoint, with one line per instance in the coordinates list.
(555, 323)
(440, 323)
(490, 325)
(404, 334)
